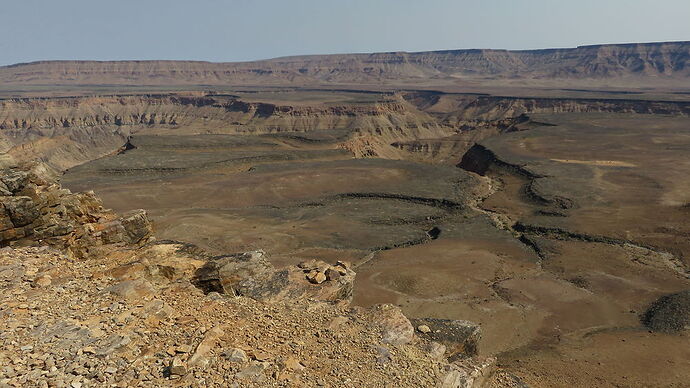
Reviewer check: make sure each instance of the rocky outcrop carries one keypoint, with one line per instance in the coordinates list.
(36, 210)
(250, 274)
(65, 132)
(503, 112)
(429, 126)
(669, 314)
(461, 338)
(171, 110)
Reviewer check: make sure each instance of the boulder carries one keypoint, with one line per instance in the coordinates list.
(669, 314)
(470, 373)
(235, 355)
(132, 290)
(395, 328)
(21, 210)
(177, 367)
(251, 274)
(461, 338)
(35, 209)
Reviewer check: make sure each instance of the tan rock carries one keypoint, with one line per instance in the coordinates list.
(316, 277)
(235, 355)
(293, 364)
(435, 350)
(203, 350)
(133, 289)
(43, 281)
(424, 329)
(396, 329)
(177, 367)
(260, 355)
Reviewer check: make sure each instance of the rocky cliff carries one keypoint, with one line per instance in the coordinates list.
(422, 126)
(68, 131)
(649, 60)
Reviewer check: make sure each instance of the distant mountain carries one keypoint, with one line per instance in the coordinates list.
(646, 60)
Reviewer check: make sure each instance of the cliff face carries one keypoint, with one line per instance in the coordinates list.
(68, 131)
(664, 60)
(65, 132)
(174, 110)
(459, 109)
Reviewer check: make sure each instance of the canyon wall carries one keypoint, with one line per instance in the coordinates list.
(423, 126)
(656, 61)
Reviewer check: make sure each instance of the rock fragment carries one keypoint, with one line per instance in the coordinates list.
(423, 329)
(293, 364)
(316, 277)
(396, 329)
(177, 367)
(235, 355)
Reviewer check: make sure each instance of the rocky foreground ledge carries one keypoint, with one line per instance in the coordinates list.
(88, 298)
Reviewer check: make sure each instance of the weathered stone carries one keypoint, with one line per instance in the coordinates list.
(228, 274)
(22, 210)
(136, 225)
(396, 329)
(112, 343)
(260, 355)
(423, 329)
(316, 277)
(43, 281)
(35, 209)
(254, 371)
(133, 289)
(15, 180)
(461, 338)
(470, 373)
(235, 355)
(308, 265)
(293, 364)
(383, 355)
(251, 274)
(203, 350)
(435, 350)
(177, 367)
(333, 274)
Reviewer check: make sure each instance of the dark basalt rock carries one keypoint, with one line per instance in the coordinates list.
(461, 338)
(669, 314)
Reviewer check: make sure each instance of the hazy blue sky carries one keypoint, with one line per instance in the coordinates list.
(235, 30)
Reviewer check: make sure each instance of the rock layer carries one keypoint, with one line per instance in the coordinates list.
(602, 61)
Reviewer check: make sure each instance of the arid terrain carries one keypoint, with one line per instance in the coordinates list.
(541, 195)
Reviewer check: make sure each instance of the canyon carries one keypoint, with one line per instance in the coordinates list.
(540, 195)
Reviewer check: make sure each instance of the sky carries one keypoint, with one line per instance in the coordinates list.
(241, 30)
